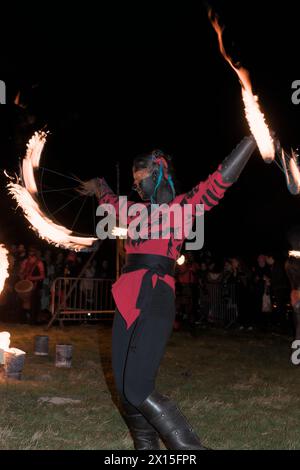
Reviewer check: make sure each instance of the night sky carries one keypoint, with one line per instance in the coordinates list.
(112, 84)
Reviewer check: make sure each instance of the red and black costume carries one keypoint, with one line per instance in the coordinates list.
(145, 300)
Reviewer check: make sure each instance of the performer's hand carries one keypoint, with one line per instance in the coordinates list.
(90, 188)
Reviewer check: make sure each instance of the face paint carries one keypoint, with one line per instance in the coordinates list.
(144, 184)
(146, 188)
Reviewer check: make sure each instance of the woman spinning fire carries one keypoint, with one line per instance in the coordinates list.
(144, 297)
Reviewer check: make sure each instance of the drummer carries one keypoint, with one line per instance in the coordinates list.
(32, 269)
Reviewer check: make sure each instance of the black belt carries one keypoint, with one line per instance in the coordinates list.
(157, 264)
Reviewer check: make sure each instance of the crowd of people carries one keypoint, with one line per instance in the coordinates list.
(225, 292)
(41, 268)
(231, 292)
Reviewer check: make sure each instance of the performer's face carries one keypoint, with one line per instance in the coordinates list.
(138, 177)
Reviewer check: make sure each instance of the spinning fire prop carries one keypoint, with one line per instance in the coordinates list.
(269, 147)
(25, 192)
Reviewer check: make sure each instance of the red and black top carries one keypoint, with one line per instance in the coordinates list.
(126, 289)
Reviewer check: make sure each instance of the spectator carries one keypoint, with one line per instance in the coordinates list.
(104, 272)
(214, 287)
(87, 285)
(72, 265)
(203, 294)
(187, 278)
(47, 282)
(240, 277)
(32, 269)
(59, 265)
(279, 289)
(260, 272)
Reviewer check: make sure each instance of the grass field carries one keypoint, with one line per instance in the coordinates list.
(238, 389)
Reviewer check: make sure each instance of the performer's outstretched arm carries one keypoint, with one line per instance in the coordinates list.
(98, 187)
(210, 192)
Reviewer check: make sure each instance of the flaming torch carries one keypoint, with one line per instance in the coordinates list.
(24, 191)
(269, 148)
(255, 117)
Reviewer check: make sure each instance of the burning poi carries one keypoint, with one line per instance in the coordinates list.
(25, 192)
(269, 148)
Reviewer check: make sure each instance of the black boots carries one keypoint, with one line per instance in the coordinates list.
(170, 423)
(144, 435)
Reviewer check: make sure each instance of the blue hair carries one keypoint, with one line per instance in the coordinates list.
(159, 180)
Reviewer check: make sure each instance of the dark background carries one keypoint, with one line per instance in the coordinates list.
(113, 82)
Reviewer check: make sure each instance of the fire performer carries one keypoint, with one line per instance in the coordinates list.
(144, 296)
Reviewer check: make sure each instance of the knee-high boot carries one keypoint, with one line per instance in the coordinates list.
(143, 433)
(171, 424)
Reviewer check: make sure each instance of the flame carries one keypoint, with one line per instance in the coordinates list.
(294, 253)
(254, 116)
(4, 340)
(3, 266)
(31, 160)
(5, 347)
(26, 196)
(180, 260)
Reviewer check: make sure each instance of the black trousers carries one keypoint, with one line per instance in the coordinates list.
(138, 351)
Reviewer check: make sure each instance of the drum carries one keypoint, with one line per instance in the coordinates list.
(24, 290)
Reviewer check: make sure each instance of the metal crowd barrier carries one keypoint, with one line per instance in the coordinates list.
(81, 299)
(222, 303)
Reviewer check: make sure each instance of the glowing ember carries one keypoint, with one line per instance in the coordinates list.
(26, 196)
(253, 113)
(3, 266)
(180, 260)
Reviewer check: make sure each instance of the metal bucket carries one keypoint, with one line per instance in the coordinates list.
(41, 347)
(63, 356)
(13, 363)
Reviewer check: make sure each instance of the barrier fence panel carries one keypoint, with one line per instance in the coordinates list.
(85, 299)
(222, 303)
(81, 299)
